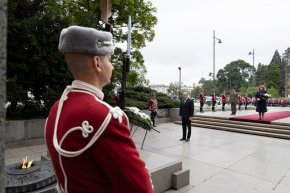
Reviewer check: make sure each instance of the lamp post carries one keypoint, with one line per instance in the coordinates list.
(253, 54)
(126, 63)
(219, 41)
(179, 68)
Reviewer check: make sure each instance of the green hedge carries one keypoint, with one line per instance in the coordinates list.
(140, 96)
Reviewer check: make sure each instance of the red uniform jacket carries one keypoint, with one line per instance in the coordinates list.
(224, 98)
(246, 99)
(239, 99)
(110, 165)
(201, 97)
(153, 105)
(213, 97)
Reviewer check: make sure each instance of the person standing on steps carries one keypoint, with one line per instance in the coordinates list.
(261, 98)
(201, 100)
(233, 100)
(186, 110)
(224, 100)
(153, 108)
(213, 101)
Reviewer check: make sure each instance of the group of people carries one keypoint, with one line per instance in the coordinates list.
(279, 102)
(241, 100)
(260, 100)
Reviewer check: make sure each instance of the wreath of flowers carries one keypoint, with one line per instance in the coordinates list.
(138, 118)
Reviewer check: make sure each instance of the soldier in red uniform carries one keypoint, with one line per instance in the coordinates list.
(153, 107)
(88, 140)
(201, 100)
(213, 100)
(224, 100)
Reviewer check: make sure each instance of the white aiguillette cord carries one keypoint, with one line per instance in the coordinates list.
(84, 88)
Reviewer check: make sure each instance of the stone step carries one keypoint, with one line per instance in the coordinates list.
(233, 124)
(277, 130)
(169, 176)
(275, 125)
(253, 132)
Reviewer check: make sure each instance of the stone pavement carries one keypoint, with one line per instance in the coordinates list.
(219, 161)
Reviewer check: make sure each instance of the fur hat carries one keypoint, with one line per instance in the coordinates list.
(77, 39)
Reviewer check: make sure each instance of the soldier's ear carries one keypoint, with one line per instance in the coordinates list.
(96, 63)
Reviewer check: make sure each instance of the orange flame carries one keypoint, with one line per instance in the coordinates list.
(26, 164)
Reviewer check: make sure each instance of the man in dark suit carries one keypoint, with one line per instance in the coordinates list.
(186, 113)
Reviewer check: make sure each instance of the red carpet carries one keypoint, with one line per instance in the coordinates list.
(268, 118)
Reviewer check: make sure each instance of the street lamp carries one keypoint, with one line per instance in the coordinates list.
(179, 68)
(253, 54)
(219, 41)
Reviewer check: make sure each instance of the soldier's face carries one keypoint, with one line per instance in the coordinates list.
(107, 69)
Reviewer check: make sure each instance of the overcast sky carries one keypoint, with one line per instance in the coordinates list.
(184, 36)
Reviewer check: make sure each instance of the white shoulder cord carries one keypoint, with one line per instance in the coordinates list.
(116, 113)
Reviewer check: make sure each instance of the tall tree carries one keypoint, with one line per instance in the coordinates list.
(3, 54)
(276, 60)
(174, 90)
(195, 92)
(208, 87)
(286, 64)
(273, 76)
(237, 73)
(261, 75)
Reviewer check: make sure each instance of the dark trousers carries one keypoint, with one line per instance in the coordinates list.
(201, 106)
(186, 123)
(223, 106)
(152, 116)
(246, 106)
(234, 108)
(240, 104)
(213, 105)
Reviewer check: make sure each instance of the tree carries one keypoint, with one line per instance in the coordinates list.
(36, 66)
(285, 61)
(237, 73)
(276, 61)
(273, 76)
(273, 92)
(174, 90)
(208, 87)
(261, 74)
(196, 91)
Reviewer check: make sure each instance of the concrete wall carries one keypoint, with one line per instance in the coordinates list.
(23, 131)
(174, 114)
